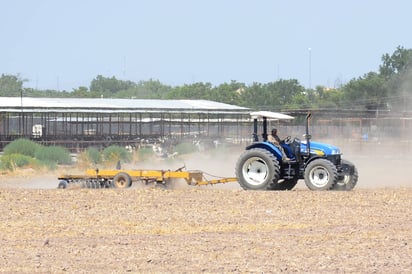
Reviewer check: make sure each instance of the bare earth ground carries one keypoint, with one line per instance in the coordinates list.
(215, 229)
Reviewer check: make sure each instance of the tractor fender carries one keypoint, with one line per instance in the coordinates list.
(311, 159)
(269, 147)
(347, 168)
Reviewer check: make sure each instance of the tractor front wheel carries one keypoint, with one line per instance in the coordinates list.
(256, 169)
(350, 178)
(321, 174)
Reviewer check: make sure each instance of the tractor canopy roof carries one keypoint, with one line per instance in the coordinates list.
(271, 115)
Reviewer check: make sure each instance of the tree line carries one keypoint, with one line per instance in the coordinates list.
(389, 88)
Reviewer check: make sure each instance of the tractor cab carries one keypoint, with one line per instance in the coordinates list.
(291, 147)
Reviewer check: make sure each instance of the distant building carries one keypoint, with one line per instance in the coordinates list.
(78, 123)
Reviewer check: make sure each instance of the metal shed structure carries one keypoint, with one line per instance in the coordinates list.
(77, 123)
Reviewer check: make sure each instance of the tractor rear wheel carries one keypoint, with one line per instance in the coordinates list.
(321, 174)
(348, 182)
(256, 169)
(122, 180)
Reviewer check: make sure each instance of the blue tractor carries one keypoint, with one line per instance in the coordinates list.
(262, 167)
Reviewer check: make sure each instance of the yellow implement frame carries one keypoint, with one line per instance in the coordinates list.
(192, 177)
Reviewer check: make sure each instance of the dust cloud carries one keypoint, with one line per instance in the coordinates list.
(380, 165)
(403, 102)
(214, 164)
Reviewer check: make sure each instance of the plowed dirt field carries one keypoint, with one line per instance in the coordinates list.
(219, 229)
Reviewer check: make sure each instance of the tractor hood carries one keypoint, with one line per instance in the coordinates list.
(320, 149)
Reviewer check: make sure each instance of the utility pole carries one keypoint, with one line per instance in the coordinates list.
(310, 68)
(22, 113)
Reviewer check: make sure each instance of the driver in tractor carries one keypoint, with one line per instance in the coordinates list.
(274, 139)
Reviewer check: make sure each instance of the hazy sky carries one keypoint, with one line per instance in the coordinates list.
(65, 44)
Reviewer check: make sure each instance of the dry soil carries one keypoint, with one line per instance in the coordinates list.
(212, 229)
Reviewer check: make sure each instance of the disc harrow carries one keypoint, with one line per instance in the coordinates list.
(114, 178)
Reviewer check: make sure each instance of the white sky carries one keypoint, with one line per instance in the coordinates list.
(65, 44)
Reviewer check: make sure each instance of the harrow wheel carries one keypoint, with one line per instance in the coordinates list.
(122, 180)
(63, 184)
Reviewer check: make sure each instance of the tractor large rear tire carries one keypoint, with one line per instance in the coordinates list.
(256, 169)
(321, 174)
(349, 181)
(122, 180)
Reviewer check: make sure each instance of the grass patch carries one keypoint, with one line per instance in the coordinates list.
(14, 161)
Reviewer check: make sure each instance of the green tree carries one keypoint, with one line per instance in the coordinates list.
(390, 87)
(154, 89)
(10, 85)
(109, 85)
(194, 91)
(367, 92)
(228, 93)
(284, 92)
(151, 89)
(254, 96)
(397, 70)
(329, 97)
(322, 97)
(398, 63)
(279, 95)
(81, 92)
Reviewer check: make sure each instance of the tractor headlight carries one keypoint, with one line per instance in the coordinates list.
(335, 151)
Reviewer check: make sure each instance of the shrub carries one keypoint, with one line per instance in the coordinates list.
(116, 153)
(93, 155)
(53, 155)
(21, 146)
(12, 161)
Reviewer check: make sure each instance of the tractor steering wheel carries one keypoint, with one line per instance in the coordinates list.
(287, 140)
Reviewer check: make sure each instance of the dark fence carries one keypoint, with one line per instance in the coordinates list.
(83, 129)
